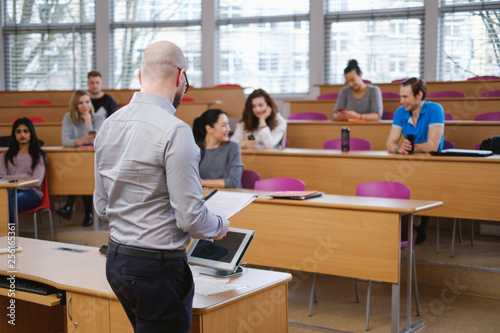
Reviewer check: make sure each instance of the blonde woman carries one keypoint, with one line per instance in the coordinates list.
(79, 127)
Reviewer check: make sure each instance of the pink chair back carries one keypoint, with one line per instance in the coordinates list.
(448, 116)
(390, 95)
(448, 144)
(387, 115)
(227, 85)
(489, 116)
(484, 77)
(388, 189)
(354, 144)
(280, 184)
(308, 116)
(398, 80)
(328, 96)
(188, 99)
(34, 120)
(477, 146)
(493, 93)
(445, 94)
(36, 102)
(248, 179)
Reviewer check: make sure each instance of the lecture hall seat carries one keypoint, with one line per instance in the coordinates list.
(308, 116)
(37, 102)
(488, 116)
(492, 93)
(446, 94)
(484, 77)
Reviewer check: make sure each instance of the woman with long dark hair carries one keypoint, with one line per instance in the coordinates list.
(24, 159)
(220, 163)
(261, 125)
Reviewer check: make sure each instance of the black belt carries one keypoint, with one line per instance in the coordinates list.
(146, 253)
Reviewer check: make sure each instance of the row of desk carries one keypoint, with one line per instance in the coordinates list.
(461, 108)
(336, 235)
(312, 134)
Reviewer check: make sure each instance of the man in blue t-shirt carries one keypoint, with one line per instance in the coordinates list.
(423, 119)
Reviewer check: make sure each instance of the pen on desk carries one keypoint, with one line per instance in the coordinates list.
(209, 195)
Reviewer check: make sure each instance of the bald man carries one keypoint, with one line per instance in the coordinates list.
(148, 187)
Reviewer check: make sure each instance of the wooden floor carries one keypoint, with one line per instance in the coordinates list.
(460, 294)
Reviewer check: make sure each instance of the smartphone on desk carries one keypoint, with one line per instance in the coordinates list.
(251, 137)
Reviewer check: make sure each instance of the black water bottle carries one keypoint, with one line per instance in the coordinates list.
(345, 138)
(411, 138)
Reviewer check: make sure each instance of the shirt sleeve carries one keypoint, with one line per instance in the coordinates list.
(39, 172)
(66, 132)
(97, 121)
(3, 167)
(100, 195)
(181, 159)
(271, 139)
(239, 133)
(235, 167)
(341, 101)
(376, 101)
(398, 120)
(436, 114)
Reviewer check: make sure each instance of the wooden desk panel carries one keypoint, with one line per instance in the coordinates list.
(312, 134)
(469, 187)
(470, 88)
(461, 108)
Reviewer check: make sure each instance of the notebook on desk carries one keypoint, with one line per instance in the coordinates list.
(296, 195)
(462, 152)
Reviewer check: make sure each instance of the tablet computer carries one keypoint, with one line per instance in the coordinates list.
(221, 257)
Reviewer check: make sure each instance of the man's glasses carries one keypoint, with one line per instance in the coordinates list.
(187, 82)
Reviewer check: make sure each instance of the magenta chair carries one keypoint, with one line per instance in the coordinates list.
(34, 120)
(390, 95)
(489, 116)
(448, 144)
(445, 94)
(492, 93)
(387, 115)
(308, 116)
(448, 116)
(328, 96)
(280, 184)
(248, 179)
(398, 80)
(354, 144)
(484, 77)
(227, 85)
(394, 190)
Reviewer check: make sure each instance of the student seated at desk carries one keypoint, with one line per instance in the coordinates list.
(262, 126)
(422, 119)
(79, 128)
(220, 162)
(24, 159)
(358, 100)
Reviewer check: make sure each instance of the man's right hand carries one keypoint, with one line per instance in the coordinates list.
(224, 234)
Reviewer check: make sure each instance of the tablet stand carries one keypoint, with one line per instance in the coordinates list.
(221, 273)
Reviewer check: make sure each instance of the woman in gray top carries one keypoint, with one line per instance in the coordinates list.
(357, 100)
(220, 163)
(79, 128)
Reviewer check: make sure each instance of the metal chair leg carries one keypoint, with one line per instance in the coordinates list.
(51, 225)
(460, 231)
(453, 238)
(417, 301)
(35, 226)
(312, 297)
(357, 289)
(437, 235)
(471, 232)
(368, 297)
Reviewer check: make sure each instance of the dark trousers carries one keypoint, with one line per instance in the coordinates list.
(157, 295)
(87, 202)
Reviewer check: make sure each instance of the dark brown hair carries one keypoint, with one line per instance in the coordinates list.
(94, 74)
(417, 85)
(250, 120)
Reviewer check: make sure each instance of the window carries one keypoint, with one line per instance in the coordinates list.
(266, 46)
(349, 5)
(134, 28)
(470, 44)
(392, 53)
(55, 51)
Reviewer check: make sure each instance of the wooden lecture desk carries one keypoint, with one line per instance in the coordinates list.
(461, 108)
(341, 235)
(91, 306)
(311, 134)
(5, 185)
(468, 186)
(469, 87)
